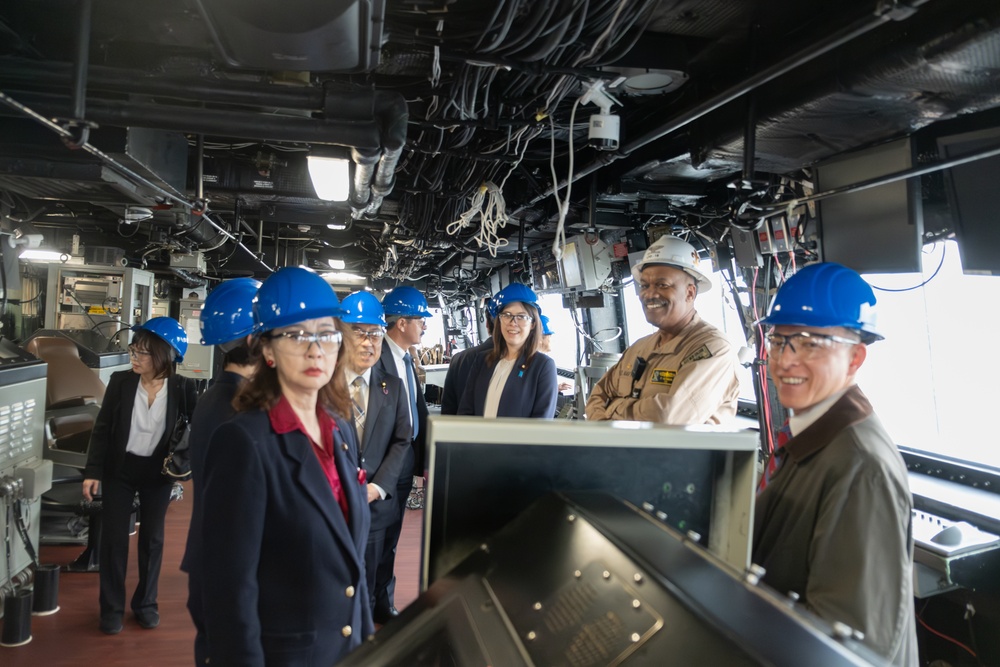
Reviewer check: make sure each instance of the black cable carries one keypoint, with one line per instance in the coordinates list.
(944, 250)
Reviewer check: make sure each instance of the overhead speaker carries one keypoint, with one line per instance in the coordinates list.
(297, 35)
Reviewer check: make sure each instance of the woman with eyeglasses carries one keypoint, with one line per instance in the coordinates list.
(130, 439)
(513, 379)
(285, 502)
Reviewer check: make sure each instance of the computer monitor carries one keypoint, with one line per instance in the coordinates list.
(484, 472)
(973, 199)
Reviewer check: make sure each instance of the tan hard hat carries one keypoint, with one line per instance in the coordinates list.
(671, 251)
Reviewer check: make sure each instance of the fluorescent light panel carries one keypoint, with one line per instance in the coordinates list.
(331, 177)
(41, 255)
(337, 264)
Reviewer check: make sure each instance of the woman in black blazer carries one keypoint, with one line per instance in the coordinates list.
(513, 379)
(130, 439)
(285, 504)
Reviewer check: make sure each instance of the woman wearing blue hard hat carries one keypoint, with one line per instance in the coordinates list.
(130, 439)
(227, 322)
(513, 379)
(285, 504)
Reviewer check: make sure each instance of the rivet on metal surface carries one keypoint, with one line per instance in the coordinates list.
(793, 596)
(484, 547)
(537, 606)
(637, 577)
(842, 630)
(693, 536)
(571, 517)
(661, 515)
(636, 636)
(606, 574)
(636, 604)
(531, 636)
(577, 574)
(648, 507)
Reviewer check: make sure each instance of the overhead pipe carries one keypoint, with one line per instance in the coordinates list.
(887, 10)
(119, 167)
(82, 60)
(236, 124)
(15, 72)
(372, 124)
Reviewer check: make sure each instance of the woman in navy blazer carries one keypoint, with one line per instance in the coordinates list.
(513, 379)
(285, 503)
(130, 439)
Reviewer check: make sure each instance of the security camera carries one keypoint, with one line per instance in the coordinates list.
(604, 131)
(605, 127)
(26, 240)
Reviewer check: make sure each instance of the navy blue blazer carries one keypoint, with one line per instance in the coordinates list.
(109, 438)
(386, 443)
(285, 571)
(214, 407)
(387, 364)
(529, 392)
(458, 376)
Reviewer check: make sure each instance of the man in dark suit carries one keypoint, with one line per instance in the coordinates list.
(382, 422)
(227, 322)
(405, 310)
(461, 364)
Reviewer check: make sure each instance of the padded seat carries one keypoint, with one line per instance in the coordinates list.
(73, 394)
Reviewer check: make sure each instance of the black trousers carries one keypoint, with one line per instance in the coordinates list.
(374, 551)
(385, 579)
(137, 474)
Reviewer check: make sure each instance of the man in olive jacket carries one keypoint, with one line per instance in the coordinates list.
(833, 517)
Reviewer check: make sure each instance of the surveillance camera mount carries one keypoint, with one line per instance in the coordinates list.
(605, 127)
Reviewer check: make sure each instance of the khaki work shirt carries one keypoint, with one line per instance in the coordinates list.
(689, 379)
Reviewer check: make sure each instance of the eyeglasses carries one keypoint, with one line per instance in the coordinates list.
(374, 336)
(136, 352)
(301, 341)
(413, 318)
(522, 318)
(805, 344)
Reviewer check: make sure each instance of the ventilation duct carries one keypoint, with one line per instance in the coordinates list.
(297, 35)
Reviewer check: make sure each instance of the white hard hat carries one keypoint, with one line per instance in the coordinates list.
(671, 251)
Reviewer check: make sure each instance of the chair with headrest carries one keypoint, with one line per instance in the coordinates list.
(73, 394)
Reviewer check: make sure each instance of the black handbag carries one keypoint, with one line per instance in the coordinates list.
(177, 464)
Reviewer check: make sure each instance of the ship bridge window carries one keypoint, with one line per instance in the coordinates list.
(933, 380)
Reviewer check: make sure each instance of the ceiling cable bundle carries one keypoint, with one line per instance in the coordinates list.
(489, 205)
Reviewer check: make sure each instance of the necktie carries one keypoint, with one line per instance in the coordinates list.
(776, 460)
(411, 384)
(358, 398)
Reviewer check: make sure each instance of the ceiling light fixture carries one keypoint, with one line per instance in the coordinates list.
(337, 264)
(331, 177)
(42, 255)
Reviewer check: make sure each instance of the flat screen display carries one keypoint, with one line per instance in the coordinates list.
(484, 473)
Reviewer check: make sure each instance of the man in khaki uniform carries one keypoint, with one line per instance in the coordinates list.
(685, 373)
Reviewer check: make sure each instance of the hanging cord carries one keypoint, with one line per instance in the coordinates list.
(563, 205)
(488, 203)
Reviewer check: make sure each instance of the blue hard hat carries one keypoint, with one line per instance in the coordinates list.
(491, 307)
(362, 308)
(546, 331)
(826, 295)
(515, 292)
(170, 330)
(405, 301)
(293, 294)
(228, 311)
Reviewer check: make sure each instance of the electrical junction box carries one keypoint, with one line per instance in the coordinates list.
(199, 359)
(585, 263)
(192, 262)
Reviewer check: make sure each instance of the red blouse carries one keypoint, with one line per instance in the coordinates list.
(284, 420)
